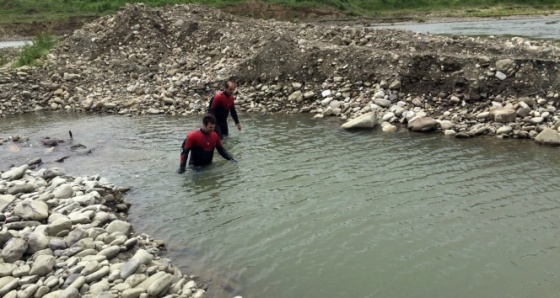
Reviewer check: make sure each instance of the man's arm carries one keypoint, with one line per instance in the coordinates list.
(224, 153)
(234, 115)
(186, 149)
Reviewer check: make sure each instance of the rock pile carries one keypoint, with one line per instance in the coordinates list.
(66, 236)
(168, 61)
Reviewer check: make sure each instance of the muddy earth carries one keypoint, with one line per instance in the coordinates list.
(169, 61)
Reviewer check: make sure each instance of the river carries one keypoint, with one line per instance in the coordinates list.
(311, 210)
(12, 44)
(539, 28)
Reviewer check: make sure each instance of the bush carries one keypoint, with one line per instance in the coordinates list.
(40, 47)
(3, 60)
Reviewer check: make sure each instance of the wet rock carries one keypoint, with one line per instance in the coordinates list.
(364, 121)
(423, 124)
(14, 173)
(548, 137)
(53, 172)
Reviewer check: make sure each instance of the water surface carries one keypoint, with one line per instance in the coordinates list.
(314, 211)
(541, 28)
(12, 44)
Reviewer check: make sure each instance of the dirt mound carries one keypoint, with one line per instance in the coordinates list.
(221, 45)
(171, 59)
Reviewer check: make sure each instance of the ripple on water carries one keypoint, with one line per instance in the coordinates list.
(314, 211)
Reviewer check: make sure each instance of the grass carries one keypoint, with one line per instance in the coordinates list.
(31, 53)
(3, 60)
(33, 10)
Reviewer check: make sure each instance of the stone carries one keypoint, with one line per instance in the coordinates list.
(6, 200)
(70, 292)
(21, 188)
(296, 96)
(119, 226)
(504, 130)
(422, 124)
(388, 127)
(43, 265)
(59, 225)
(14, 249)
(64, 191)
(14, 173)
(548, 136)
(132, 293)
(37, 241)
(7, 284)
(503, 115)
(160, 285)
(6, 269)
(382, 102)
(368, 120)
(53, 172)
(32, 210)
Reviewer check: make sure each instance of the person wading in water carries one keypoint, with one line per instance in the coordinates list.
(198, 147)
(220, 106)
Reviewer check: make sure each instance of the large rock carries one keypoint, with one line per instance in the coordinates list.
(6, 200)
(548, 137)
(59, 225)
(37, 241)
(14, 173)
(64, 191)
(139, 258)
(296, 96)
(32, 210)
(422, 124)
(43, 264)
(53, 172)
(503, 115)
(119, 226)
(21, 188)
(368, 120)
(14, 250)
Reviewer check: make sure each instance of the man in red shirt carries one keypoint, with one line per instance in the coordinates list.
(200, 145)
(220, 106)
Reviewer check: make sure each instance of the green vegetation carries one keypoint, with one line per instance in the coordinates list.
(40, 47)
(40, 10)
(3, 60)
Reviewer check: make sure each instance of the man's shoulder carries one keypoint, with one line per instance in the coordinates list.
(194, 133)
(215, 136)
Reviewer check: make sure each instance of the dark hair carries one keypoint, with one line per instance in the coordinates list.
(227, 83)
(208, 119)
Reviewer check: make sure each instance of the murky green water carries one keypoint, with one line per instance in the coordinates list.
(314, 211)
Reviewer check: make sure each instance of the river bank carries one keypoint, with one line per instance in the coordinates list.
(67, 236)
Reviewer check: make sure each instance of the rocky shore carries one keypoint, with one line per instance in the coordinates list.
(170, 60)
(65, 236)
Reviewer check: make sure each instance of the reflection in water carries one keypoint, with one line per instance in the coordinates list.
(314, 211)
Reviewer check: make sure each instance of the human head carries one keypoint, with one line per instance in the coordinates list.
(229, 87)
(209, 123)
